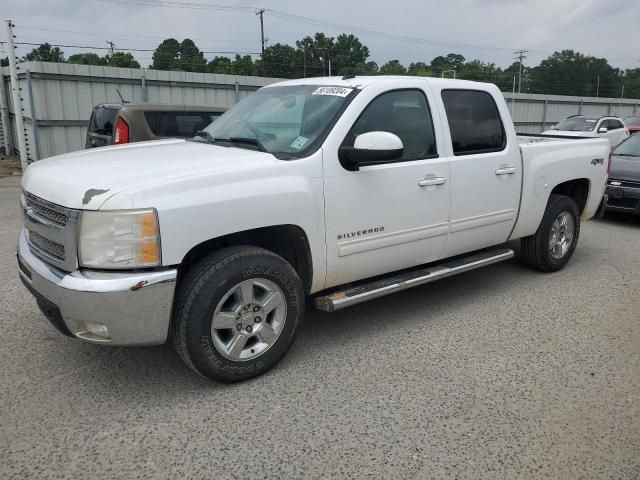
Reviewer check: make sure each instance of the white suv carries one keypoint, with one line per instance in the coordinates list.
(586, 126)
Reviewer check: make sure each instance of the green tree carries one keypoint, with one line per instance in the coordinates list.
(89, 58)
(243, 65)
(631, 81)
(451, 61)
(318, 52)
(419, 69)
(572, 73)
(393, 67)
(348, 55)
(369, 68)
(220, 65)
(281, 61)
(4, 62)
(122, 59)
(167, 55)
(478, 71)
(191, 59)
(45, 53)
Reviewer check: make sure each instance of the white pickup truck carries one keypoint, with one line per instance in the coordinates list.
(342, 189)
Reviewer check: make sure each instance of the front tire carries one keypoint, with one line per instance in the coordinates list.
(553, 244)
(237, 313)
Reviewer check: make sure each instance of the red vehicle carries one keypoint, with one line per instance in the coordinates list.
(633, 124)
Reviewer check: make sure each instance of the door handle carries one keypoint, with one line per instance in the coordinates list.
(506, 171)
(431, 181)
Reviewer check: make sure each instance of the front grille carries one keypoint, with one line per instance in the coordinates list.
(47, 246)
(45, 211)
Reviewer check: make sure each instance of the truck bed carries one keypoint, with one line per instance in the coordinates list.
(549, 161)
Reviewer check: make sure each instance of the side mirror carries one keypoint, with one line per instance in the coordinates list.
(371, 148)
(603, 130)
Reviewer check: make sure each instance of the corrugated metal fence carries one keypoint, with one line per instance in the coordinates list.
(60, 97)
(535, 113)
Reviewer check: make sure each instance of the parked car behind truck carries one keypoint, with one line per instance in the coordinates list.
(341, 189)
(610, 128)
(115, 124)
(623, 186)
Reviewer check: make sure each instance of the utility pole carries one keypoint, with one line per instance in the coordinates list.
(260, 13)
(112, 45)
(329, 66)
(304, 62)
(520, 57)
(4, 114)
(15, 91)
(598, 87)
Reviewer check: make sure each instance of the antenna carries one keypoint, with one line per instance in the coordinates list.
(121, 97)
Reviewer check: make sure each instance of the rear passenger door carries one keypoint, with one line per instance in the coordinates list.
(486, 171)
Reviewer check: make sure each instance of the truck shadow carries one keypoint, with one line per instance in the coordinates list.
(158, 371)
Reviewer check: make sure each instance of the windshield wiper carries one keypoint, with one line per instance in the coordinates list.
(626, 155)
(247, 141)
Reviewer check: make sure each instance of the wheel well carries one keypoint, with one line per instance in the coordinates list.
(288, 241)
(577, 189)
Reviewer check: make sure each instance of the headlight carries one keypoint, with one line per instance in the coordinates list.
(119, 239)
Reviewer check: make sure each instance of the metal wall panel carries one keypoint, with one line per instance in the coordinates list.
(64, 95)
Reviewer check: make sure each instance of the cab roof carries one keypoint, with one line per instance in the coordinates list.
(364, 81)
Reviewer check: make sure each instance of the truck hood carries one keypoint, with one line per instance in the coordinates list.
(625, 168)
(86, 179)
(567, 133)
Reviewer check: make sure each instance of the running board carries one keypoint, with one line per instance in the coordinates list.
(403, 281)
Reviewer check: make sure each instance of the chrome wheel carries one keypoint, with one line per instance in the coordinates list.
(249, 319)
(562, 233)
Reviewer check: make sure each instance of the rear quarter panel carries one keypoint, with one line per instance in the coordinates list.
(551, 162)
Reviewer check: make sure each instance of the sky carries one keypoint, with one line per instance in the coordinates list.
(488, 30)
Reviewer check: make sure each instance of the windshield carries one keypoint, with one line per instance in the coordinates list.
(286, 121)
(577, 124)
(632, 122)
(629, 148)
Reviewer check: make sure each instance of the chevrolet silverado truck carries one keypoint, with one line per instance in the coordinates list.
(338, 189)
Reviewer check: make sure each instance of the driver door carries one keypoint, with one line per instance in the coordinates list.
(388, 217)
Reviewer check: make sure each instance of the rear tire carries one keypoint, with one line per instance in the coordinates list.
(553, 244)
(237, 313)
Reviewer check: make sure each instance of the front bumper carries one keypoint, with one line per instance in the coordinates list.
(623, 199)
(135, 308)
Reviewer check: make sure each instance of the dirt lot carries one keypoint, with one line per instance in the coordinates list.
(501, 373)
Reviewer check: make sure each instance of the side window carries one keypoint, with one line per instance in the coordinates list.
(103, 120)
(152, 121)
(190, 123)
(617, 124)
(474, 122)
(404, 113)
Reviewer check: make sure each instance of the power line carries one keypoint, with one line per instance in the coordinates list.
(307, 20)
(219, 52)
(125, 35)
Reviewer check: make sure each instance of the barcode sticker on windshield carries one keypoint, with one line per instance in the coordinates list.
(299, 142)
(336, 91)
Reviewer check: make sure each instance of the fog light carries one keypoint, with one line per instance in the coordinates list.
(98, 330)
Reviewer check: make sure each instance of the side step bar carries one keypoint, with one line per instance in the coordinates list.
(379, 288)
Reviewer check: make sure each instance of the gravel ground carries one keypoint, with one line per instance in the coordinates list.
(499, 373)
